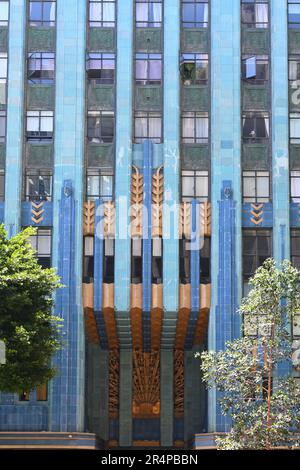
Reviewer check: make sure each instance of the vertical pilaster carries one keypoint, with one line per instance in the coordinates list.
(67, 392)
(226, 184)
(15, 101)
(125, 413)
(123, 155)
(171, 156)
(166, 397)
(194, 397)
(280, 130)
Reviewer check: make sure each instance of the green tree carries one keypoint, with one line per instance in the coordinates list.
(27, 327)
(253, 373)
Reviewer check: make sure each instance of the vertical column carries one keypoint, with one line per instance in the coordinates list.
(125, 413)
(15, 101)
(194, 397)
(166, 397)
(171, 155)
(123, 155)
(67, 393)
(280, 130)
(226, 192)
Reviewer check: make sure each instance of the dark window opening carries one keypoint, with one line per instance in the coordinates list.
(101, 68)
(157, 261)
(255, 69)
(256, 128)
(101, 127)
(295, 248)
(185, 261)
(109, 261)
(194, 69)
(88, 260)
(295, 186)
(41, 67)
(205, 262)
(136, 261)
(257, 247)
(2, 185)
(38, 185)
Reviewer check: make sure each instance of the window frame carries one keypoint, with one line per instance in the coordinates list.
(195, 24)
(42, 232)
(255, 23)
(101, 57)
(256, 176)
(102, 138)
(42, 57)
(5, 21)
(40, 116)
(102, 23)
(29, 173)
(294, 199)
(148, 58)
(99, 173)
(148, 23)
(194, 175)
(293, 24)
(255, 116)
(195, 58)
(2, 184)
(195, 139)
(256, 234)
(42, 22)
(259, 60)
(148, 115)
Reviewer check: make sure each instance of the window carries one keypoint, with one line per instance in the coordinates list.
(41, 13)
(148, 69)
(109, 256)
(4, 9)
(2, 126)
(102, 13)
(194, 14)
(255, 13)
(194, 69)
(99, 184)
(41, 67)
(295, 186)
(41, 394)
(255, 68)
(2, 185)
(257, 247)
(88, 260)
(157, 271)
(148, 13)
(255, 127)
(184, 261)
(294, 14)
(39, 125)
(194, 185)
(195, 128)
(294, 68)
(295, 248)
(256, 186)
(41, 243)
(38, 185)
(3, 78)
(136, 261)
(294, 128)
(205, 262)
(101, 126)
(147, 126)
(101, 68)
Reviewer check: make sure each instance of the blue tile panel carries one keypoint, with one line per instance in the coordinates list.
(226, 173)
(1, 212)
(47, 215)
(147, 244)
(280, 130)
(195, 275)
(14, 126)
(67, 404)
(255, 216)
(24, 417)
(171, 160)
(98, 273)
(146, 429)
(123, 156)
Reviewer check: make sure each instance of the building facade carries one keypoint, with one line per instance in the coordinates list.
(155, 145)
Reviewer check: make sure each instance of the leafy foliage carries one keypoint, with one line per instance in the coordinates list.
(30, 332)
(263, 401)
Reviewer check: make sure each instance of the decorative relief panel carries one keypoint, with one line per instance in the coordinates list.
(136, 203)
(157, 201)
(114, 371)
(146, 384)
(178, 383)
(89, 218)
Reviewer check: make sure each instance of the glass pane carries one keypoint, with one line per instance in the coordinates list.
(155, 127)
(263, 187)
(202, 186)
(47, 124)
(187, 184)
(44, 245)
(4, 12)
(108, 14)
(3, 67)
(248, 13)
(188, 129)
(155, 70)
(95, 13)
(106, 185)
(141, 127)
(249, 187)
(93, 185)
(142, 14)
(33, 124)
(35, 12)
